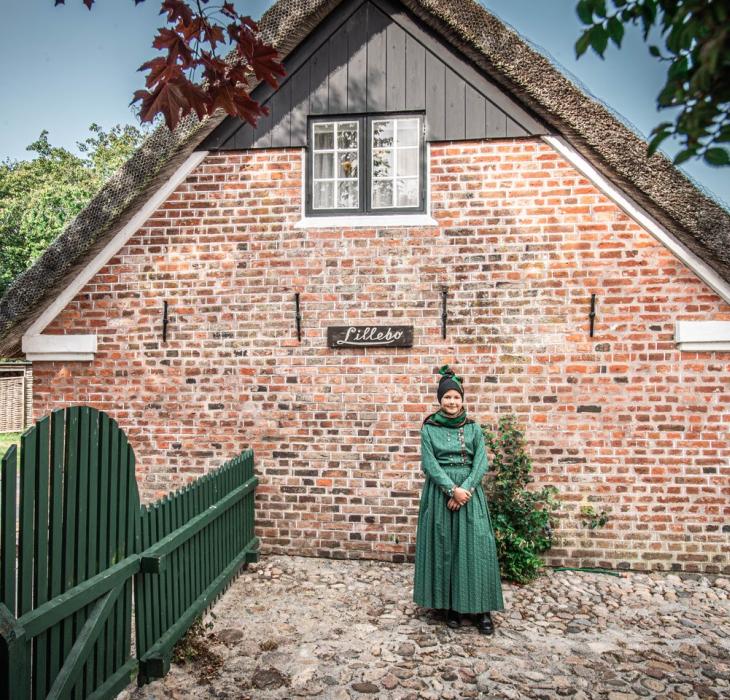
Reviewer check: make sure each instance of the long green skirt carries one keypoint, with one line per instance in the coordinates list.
(456, 556)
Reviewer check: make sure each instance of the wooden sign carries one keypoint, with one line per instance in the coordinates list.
(370, 336)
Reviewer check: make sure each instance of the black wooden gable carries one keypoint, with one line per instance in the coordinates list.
(371, 56)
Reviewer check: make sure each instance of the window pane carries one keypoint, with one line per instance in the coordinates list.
(347, 194)
(347, 135)
(407, 162)
(323, 195)
(407, 132)
(348, 164)
(383, 133)
(335, 156)
(396, 163)
(323, 165)
(407, 192)
(324, 136)
(382, 194)
(382, 163)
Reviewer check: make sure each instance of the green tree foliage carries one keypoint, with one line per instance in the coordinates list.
(39, 197)
(522, 517)
(696, 36)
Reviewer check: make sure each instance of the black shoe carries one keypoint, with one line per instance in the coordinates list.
(453, 619)
(484, 623)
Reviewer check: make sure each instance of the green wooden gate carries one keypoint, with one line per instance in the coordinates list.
(67, 558)
(72, 548)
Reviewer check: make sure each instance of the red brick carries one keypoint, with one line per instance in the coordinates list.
(523, 240)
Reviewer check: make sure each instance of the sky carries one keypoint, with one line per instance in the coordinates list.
(66, 67)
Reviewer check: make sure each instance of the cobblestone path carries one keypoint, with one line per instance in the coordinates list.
(301, 627)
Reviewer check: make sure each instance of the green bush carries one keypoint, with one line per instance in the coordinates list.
(6, 440)
(522, 518)
(592, 519)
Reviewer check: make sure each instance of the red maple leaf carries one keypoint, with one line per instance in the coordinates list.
(214, 68)
(236, 102)
(175, 44)
(228, 10)
(177, 10)
(171, 99)
(245, 41)
(248, 22)
(160, 70)
(191, 30)
(213, 34)
(266, 65)
(239, 73)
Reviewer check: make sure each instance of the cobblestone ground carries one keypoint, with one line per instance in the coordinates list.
(296, 627)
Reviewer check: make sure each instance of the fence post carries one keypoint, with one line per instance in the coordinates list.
(15, 651)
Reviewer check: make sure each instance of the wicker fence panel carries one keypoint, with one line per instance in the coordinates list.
(12, 404)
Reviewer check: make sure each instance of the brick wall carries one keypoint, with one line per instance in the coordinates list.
(622, 421)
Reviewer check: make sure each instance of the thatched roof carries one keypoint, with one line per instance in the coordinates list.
(677, 204)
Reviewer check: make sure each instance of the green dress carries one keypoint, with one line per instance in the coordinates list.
(456, 556)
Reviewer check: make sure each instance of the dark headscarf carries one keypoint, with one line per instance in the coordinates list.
(449, 381)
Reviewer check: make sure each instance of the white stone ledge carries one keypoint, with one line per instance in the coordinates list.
(384, 221)
(703, 336)
(57, 348)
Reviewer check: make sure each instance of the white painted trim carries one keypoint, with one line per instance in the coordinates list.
(115, 245)
(51, 348)
(368, 220)
(702, 331)
(702, 336)
(704, 347)
(629, 207)
(60, 357)
(59, 343)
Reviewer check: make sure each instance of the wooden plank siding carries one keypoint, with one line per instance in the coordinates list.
(357, 62)
(377, 24)
(372, 56)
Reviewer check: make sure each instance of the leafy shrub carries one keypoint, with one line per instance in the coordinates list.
(592, 519)
(522, 518)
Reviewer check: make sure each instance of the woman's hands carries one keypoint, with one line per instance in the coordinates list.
(460, 498)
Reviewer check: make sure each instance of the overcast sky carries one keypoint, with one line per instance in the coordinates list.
(66, 67)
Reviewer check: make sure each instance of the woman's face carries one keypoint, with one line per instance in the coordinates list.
(451, 402)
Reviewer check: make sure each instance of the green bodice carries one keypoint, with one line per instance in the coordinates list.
(444, 449)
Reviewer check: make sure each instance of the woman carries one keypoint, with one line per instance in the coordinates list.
(456, 556)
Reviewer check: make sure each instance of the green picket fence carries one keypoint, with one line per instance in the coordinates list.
(73, 540)
(193, 543)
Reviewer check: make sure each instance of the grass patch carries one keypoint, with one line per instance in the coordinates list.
(7, 439)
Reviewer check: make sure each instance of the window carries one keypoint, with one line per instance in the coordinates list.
(370, 165)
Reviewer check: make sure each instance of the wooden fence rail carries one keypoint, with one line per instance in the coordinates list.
(74, 541)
